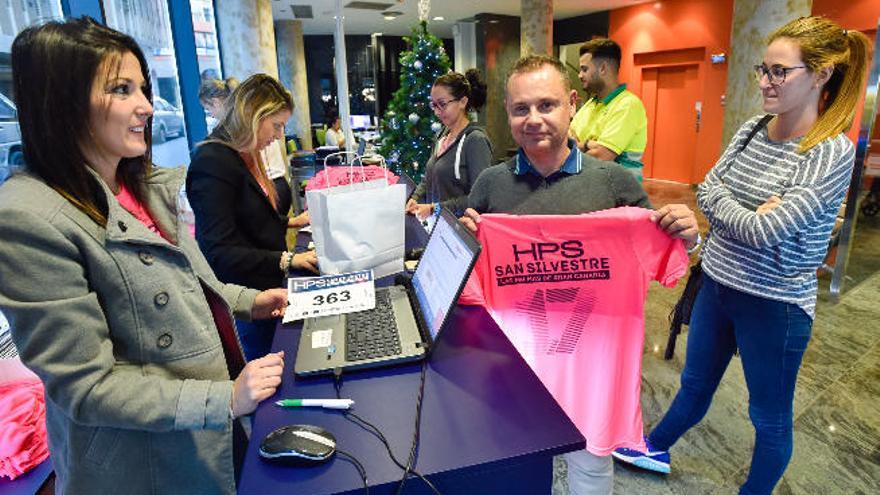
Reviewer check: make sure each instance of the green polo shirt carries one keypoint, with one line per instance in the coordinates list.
(617, 122)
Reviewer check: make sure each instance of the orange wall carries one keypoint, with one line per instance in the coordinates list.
(852, 14)
(675, 25)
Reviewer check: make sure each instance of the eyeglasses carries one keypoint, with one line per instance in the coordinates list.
(776, 74)
(441, 105)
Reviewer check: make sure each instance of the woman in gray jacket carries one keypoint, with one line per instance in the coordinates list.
(111, 302)
(462, 150)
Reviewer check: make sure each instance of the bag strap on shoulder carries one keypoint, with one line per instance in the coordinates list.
(681, 312)
(760, 125)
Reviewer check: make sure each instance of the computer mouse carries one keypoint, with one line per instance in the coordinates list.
(298, 445)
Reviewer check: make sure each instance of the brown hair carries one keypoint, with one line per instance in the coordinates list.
(216, 88)
(470, 85)
(825, 44)
(603, 48)
(532, 63)
(53, 68)
(258, 97)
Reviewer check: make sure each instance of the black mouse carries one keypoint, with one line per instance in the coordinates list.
(298, 445)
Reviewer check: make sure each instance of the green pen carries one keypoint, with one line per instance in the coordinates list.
(325, 403)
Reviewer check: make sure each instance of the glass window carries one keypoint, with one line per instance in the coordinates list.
(205, 31)
(15, 16)
(170, 147)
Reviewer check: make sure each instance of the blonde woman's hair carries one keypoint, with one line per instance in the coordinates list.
(825, 44)
(257, 98)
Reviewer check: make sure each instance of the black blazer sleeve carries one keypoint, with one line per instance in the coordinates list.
(241, 238)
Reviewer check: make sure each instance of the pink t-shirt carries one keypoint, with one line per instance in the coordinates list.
(569, 292)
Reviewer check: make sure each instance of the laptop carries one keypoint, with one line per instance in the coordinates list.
(408, 318)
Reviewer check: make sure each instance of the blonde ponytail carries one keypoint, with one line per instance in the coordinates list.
(825, 44)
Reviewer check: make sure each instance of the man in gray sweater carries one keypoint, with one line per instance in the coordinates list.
(550, 176)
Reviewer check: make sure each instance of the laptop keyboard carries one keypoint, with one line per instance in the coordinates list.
(372, 333)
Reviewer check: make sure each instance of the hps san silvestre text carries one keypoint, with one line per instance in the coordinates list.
(540, 253)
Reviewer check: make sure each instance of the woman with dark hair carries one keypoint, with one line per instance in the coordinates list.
(771, 201)
(334, 135)
(238, 225)
(462, 149)
(112, 305)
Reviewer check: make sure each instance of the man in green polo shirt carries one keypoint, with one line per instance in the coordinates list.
(612, 125)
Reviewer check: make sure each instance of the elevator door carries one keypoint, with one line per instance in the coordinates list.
(670, 95)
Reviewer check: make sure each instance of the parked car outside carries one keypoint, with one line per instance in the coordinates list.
(167, 120)
(11, 156)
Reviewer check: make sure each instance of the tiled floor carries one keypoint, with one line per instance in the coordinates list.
(837, 402)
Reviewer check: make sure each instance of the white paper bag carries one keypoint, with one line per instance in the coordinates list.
(359, 227)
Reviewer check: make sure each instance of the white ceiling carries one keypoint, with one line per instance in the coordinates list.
(358, 21)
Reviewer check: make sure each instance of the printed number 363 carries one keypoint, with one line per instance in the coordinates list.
(331, 298)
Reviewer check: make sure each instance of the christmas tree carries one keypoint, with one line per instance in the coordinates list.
(409, 125)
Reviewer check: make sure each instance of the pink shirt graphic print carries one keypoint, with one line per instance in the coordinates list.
(569, 293)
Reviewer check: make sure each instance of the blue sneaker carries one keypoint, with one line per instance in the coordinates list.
(652, 460)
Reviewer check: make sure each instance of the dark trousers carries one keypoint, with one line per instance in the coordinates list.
(772, 337)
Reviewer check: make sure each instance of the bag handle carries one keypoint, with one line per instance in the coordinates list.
(359, 159)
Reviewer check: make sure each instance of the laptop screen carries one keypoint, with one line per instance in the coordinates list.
(442, 271)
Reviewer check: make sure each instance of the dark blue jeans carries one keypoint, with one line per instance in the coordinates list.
(772, 337)
(256, 337)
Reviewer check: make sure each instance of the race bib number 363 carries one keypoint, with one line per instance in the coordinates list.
(330, 295)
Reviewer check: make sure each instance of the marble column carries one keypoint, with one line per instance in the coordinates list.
(292, 73)
(247, 37)
(536, 27)
(464, 35)
(753, 20)
(498, 48)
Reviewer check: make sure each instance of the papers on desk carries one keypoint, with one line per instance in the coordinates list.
(310, 297)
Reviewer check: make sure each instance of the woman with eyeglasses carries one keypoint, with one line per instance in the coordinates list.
(461, 151)
(771, 201)
(111, 303)
(235, 202)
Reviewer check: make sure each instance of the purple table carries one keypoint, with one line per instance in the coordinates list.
(488, 424)
(29, 483)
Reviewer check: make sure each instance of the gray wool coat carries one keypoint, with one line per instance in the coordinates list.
(116, 324)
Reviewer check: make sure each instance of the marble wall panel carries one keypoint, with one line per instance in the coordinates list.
(247, 37)
(292, 73)
(753, 20)
(536, 26)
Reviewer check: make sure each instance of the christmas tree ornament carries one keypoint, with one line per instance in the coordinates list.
(436, 127)
(409, 125)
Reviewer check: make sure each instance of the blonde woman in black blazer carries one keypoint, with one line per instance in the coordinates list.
(238, 226)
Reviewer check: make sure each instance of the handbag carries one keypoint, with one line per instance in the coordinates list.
(681, 312)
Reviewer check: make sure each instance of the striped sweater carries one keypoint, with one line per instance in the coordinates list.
(774, 255)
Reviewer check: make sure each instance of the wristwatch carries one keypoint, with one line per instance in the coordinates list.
(697, 244)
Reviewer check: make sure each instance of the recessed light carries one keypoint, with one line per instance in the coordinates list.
(391, 15)
(439, 18)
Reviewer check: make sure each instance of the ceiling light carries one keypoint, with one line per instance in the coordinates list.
(391, 15)
(439, 18)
